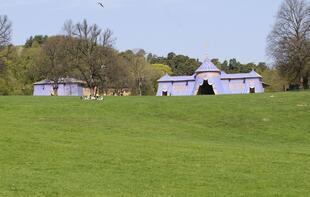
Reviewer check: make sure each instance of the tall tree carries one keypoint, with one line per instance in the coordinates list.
(5, 38)
(140, 72)
(25, 67)
(288, 43)
(89, 47)
(117, 74)
(5, 31)
(55, 64)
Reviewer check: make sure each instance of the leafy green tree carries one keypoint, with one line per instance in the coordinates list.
(37, 39)
(261, 67)
(180, 64)
(162, 69)
(274, 79)
(225, 65)
(26, 66)
(140, 73)
(4, 71)
(20, 71)
(171, 56)
(217, 63)
(234, 66)
(117, 74)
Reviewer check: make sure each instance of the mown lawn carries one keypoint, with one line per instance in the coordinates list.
(240, 145)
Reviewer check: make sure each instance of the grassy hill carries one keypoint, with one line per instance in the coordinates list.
(242, 145)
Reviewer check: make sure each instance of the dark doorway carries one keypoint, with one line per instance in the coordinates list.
(165, 93)
(206, 89)
(252, 90)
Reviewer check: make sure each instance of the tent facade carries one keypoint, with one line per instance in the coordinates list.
(209, 80)
(66, 87)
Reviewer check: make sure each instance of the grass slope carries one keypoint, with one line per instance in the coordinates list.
(241, 145)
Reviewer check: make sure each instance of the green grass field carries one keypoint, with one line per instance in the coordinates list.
(241, 145)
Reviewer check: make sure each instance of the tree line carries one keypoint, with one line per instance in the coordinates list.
(86, 51)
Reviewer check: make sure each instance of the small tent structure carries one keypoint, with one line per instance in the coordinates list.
(66, 87)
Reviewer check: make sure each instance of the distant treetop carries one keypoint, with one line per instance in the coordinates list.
(37, 39)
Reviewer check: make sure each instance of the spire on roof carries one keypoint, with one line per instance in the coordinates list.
(207, 66)
(254, 73)
(206, 46)
(165, 77)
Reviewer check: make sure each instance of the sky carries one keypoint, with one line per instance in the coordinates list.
(201, 29)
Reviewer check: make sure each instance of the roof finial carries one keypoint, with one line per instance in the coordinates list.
(206, 51)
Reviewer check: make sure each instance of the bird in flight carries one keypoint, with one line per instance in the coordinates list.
(101, 4)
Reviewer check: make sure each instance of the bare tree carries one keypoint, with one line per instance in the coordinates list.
(107, 38)
(5, 31)
(288, 43)
(5, 38)
(69, 28)
(55, 63)
(89, 46)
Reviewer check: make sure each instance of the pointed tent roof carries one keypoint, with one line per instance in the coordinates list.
(207, 66)
(254, 73)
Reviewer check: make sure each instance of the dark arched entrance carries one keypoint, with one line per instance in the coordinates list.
(206, 89)
(252, 90)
